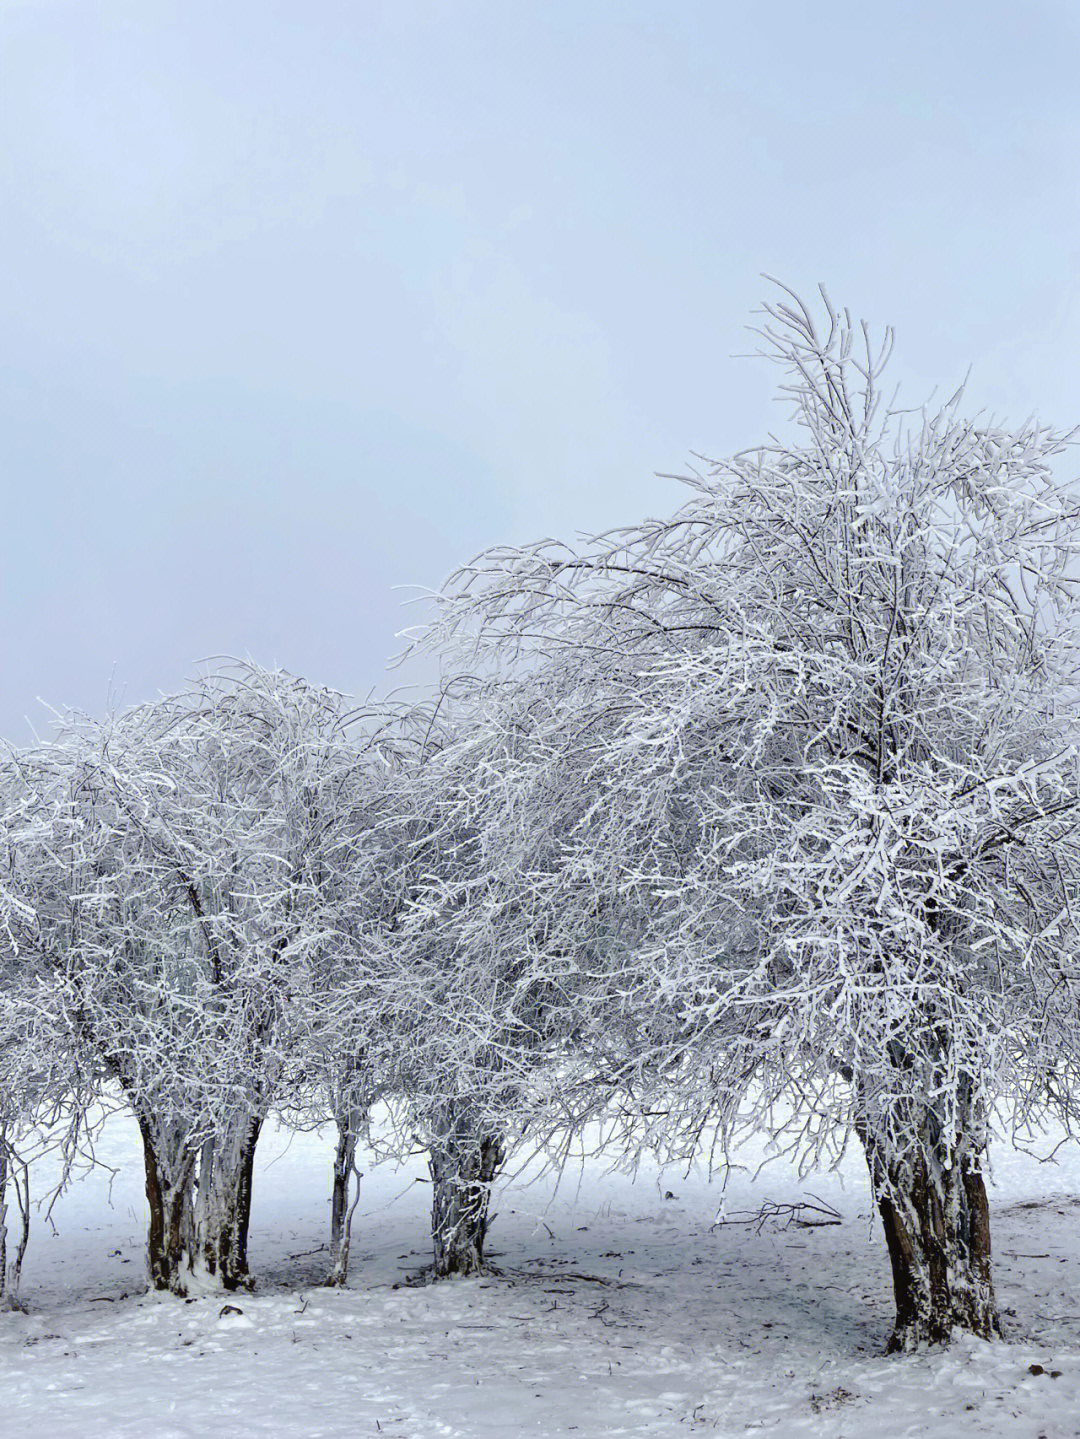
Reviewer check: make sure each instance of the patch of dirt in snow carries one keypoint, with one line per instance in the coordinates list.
(615, 1311)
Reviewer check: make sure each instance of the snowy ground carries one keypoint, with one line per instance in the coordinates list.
(619, 1310)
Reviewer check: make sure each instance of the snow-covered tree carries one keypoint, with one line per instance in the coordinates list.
(511, 976)
(837, 693)
(343, 1037)
(49, 1078)
(413, 858)
(170, 869)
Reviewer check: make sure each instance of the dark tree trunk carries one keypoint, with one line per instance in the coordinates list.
(170, 1173)
(933, 1206)
(349, 1126)
(223, 1207)
(3, 1220)
(464, 1162)
(200, 1205)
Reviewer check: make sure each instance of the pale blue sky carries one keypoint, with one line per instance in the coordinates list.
(306, 301)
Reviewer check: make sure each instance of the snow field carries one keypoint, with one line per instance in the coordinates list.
(616, 1311)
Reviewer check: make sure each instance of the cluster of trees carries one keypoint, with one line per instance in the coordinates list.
(760, 816)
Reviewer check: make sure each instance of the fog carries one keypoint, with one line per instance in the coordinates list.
(305, 304)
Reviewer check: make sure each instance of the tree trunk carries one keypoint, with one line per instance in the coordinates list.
(3, 1219)
(13, 1173)
(349, 1125)
(464, 1162)
(933, 1206)
(170, 1173)
(200, 1204)
(223, 1206)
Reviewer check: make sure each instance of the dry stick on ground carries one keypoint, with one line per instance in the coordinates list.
(800, 1213)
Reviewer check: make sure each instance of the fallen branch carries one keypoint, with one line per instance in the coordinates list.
(802, 1214)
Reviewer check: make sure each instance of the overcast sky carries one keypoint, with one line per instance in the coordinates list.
(304, 300)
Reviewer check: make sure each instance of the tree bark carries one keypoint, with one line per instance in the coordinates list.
(4, 1286)
(3, 1220)
(13, 1177)
(349, 1125)
(170, 1172)
(464, 1162)
(932, 1200)
(223, 1205)
(200, 1205)
(340, 1210)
